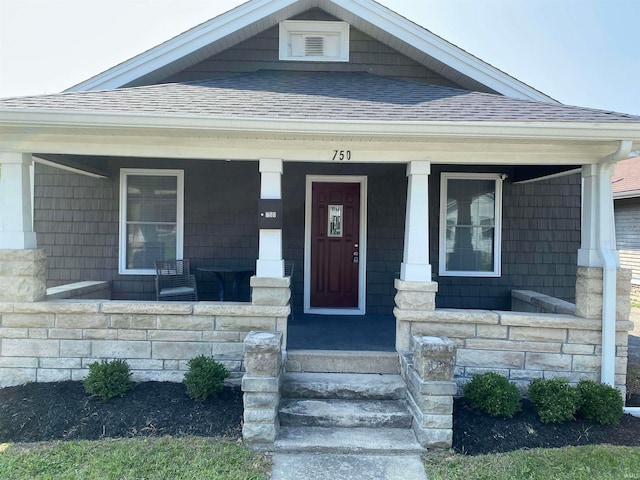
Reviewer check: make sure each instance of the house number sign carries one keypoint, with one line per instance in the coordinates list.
(340, 155)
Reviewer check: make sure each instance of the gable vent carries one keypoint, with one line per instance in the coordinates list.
(311, 41)
(314, 46)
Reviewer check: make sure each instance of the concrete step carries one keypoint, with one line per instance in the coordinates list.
(343, 385)
(348, 440)
(334, 361)
(344, 413)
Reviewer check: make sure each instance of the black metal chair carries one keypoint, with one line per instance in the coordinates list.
(174, 281)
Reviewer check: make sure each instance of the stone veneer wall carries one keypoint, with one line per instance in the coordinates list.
(521, 346)
(57, 340)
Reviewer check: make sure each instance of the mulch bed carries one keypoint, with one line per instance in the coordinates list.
(63, 411)
(476, 433)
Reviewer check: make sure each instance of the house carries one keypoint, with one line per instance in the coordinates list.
(626, 203)
(412, 184)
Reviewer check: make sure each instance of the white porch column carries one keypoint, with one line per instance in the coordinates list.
(16, 225)
(270, 263)
(415, 266)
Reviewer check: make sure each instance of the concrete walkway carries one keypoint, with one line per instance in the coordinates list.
(310, 466)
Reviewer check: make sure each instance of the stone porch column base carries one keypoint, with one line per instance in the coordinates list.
(261, 387)
(428, 371)
(412, 296)
(270, 291)
(23, 275)
(589, 293)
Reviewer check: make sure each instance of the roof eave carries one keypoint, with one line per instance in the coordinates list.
(567, 131)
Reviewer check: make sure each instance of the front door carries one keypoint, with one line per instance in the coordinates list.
(335, 249)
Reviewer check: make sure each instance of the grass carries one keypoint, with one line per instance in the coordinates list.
(132, 459)
(603, 462)
(635, 304)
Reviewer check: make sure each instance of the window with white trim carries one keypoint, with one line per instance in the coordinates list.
(470, 224)
(313, 41)
(151, 218)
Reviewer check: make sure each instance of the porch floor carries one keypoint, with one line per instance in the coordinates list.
(342, 332)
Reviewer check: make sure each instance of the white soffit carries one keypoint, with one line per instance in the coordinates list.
(255, 16)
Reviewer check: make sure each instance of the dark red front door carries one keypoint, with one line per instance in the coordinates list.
(335, 235)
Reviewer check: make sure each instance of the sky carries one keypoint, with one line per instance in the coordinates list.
(580, 52)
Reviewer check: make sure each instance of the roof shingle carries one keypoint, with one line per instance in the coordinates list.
(313, 96)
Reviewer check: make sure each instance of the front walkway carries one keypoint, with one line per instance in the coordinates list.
(309, 466)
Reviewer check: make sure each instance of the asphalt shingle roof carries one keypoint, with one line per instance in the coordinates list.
(626, 176)
(313, 96)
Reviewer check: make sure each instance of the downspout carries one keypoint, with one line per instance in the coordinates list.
(609, 262)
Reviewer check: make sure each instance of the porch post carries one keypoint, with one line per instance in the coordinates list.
(269, 286)
(16, 226)
(601, 290)
(22, 265)
(415, 266)
(270, 263)
(416, 291)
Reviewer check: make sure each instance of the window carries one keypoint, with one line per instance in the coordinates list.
(151, 218)
(309, 41)
(470, 224)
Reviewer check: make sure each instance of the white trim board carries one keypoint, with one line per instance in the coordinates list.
(362, 269)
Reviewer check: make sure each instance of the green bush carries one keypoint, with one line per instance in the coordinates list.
(493, 394)
(108, 379)
(205, 377)
(555, 400)
(600, 403)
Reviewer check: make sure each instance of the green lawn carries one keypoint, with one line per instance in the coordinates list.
(133, 459)
(601, 462)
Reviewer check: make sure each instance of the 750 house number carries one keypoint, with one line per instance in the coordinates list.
(340, 155)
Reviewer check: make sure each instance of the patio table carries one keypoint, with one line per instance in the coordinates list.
(238, 273)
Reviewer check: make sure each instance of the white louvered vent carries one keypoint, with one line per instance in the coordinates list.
(314, 41)
(313, 46)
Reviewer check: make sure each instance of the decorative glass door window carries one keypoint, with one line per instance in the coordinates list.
(335, 221)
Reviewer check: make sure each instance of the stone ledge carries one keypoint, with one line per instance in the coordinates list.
(548, 320)
(59, 306)
(443, 315)
(87, 289)
(230, 309)
(157, 308)
(544, 302)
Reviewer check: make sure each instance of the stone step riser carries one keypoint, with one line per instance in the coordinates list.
(344, 414)
(343, 386)
(320, 361)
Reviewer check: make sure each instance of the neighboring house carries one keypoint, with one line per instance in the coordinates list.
(408, 180)
(626, 196)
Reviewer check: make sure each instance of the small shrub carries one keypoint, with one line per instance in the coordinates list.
(600, 403)
(555, 400)
(205, 377)
(493, 394)
(108, 379)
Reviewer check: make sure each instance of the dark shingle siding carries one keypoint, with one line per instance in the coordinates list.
(80, 235)
(540, 241)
